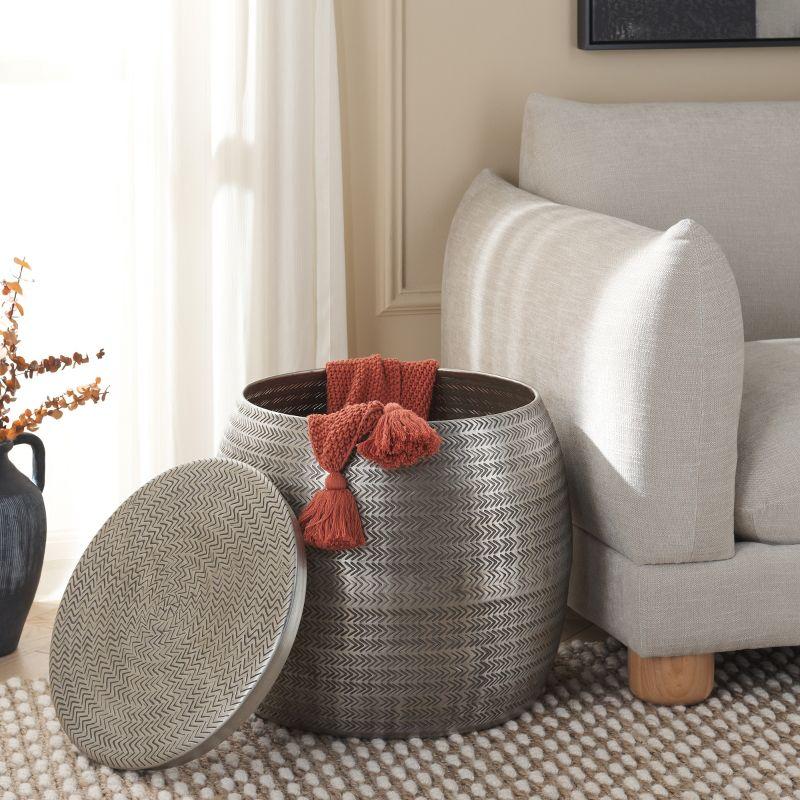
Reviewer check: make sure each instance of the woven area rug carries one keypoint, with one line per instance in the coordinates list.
(587, 737)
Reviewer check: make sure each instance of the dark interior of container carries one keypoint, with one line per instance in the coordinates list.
(456, 395)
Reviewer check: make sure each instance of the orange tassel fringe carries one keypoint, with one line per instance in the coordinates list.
(331, 521)
(401, 438)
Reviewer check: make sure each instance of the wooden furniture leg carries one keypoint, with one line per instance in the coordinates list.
(671, 680)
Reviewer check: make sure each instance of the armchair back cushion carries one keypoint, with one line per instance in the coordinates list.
(767, 505)
(732, 167)
(634, 338)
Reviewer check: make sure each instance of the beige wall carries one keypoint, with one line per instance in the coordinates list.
(419, 123)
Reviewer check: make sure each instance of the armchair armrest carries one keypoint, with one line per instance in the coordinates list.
(633, 337)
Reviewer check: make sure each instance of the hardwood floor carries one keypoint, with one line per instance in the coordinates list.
(30, 658)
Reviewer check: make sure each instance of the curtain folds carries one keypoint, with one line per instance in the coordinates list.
(197, 179)
(242, 108)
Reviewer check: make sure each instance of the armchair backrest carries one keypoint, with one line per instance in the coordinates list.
(732, 167)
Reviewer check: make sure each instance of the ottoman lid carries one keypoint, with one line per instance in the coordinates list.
(178, 617)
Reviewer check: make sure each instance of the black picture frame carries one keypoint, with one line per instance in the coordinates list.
(587, 42)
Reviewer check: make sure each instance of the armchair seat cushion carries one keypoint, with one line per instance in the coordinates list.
(767, 506)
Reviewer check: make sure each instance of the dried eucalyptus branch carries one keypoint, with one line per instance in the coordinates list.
(12, 365)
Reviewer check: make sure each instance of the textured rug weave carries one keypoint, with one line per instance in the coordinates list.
(587, 737)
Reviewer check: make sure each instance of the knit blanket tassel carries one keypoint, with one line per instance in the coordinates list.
(401, 439)
(331, 521)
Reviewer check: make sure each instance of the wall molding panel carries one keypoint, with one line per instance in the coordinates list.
(394, 295)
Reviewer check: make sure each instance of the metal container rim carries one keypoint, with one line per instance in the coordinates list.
(486, 376)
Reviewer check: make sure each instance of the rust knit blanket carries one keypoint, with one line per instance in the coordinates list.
(379, 407)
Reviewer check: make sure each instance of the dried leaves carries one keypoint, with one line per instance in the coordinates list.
(52, 363)
(54, 407)
(12, 364)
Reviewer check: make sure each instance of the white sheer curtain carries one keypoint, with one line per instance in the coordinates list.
(172, 172)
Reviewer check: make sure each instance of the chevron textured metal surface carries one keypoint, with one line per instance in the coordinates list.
(178, 617)
(448, 619)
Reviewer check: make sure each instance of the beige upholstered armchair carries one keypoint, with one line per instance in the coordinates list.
(646, 279)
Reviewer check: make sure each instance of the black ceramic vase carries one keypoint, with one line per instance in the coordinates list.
(23, 529)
